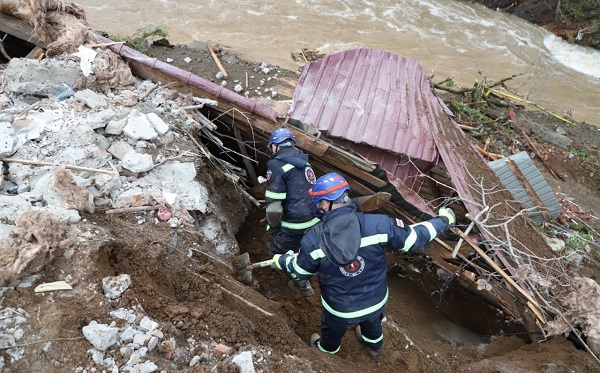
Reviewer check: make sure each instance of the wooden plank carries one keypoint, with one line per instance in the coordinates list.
(532, 303)
(247, 163)
(19, 28)
(529, 189)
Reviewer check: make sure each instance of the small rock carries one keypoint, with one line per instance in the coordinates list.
(221, 349)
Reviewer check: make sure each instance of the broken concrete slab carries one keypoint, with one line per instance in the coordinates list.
(99, 119)
(115, 127)
(11, 207)
(5, 230)
(47, 77)
(91, 99)
(557, 139)
(137, 162)
(8, 140)
(159, 125)
(119, 149)
(178, 178)
(139, 127)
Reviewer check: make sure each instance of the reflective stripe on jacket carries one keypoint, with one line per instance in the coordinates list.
(289, 177)
(347, 250)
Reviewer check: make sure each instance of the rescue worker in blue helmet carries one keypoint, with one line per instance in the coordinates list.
(347, 250)
(290, 210)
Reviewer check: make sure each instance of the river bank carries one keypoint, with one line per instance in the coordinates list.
(577, 22)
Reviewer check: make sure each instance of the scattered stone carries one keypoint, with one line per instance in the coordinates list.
(8, 140)
(147, 325)
(101, 336)
(128, 334)
(159, 125)
(115, 286)
(137, 162)
(557, 139)
(139, 127)
(244, 361)
(92, 99)
(47, 77)
(119, 149)
(195, 360)
(221, 349)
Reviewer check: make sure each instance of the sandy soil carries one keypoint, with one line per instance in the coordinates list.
(432, 325)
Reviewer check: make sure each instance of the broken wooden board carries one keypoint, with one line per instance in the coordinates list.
(52, 286)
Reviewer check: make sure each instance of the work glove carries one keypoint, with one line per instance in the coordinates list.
(447, 213)
(276, 264)
(273, 230)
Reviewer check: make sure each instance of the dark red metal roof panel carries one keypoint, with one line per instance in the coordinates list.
(370, 97)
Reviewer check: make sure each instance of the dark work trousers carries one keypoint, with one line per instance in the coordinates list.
(333, 329)
(285, 240)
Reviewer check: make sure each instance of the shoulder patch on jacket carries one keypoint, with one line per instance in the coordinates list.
(310, 175)
(269, 173)
(400, 223)
(354, 268)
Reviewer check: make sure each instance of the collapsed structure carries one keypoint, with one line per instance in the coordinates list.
(367, 114)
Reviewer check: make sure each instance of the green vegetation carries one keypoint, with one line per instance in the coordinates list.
(580, 10)
(586, 156)
(142, 38)
(461, 108)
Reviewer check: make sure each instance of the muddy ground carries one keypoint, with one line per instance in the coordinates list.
(432, 325)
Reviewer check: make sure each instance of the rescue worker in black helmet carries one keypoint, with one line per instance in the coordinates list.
(347, 250)
(290, 210)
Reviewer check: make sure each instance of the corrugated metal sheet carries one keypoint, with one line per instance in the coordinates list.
(535, 179)
(376, 98)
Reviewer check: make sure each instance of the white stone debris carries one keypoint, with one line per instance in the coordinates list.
(101, 336)
(115, 286)
(244, 361)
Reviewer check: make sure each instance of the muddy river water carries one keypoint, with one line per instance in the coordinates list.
(466, 41)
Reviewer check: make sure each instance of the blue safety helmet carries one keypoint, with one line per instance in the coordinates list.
(329, 187)
(280, 135)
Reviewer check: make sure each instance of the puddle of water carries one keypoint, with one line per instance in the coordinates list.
(459, 318)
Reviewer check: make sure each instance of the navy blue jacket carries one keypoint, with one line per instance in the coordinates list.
(289, 177)
(347, 250)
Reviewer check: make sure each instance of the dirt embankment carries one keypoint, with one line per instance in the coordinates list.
(577, 21)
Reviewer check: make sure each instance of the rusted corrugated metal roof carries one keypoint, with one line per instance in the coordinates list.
(371, 97)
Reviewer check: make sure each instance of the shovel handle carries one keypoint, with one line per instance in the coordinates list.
(264, 263)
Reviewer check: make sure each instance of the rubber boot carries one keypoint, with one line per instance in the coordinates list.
(314, 340)
(301, 286)
(372, 353)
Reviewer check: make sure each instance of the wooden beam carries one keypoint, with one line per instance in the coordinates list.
(531, 303)
(247, 163)
(20, 29)
(529, 189)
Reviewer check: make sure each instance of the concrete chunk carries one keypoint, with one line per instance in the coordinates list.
(136, 162)
(8, 139)
(46, 77)
(92, 99)
(139, 127)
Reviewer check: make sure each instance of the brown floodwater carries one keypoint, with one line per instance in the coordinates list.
(451, 39)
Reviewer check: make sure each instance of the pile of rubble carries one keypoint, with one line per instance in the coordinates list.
(66, 153)
(117, 142)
